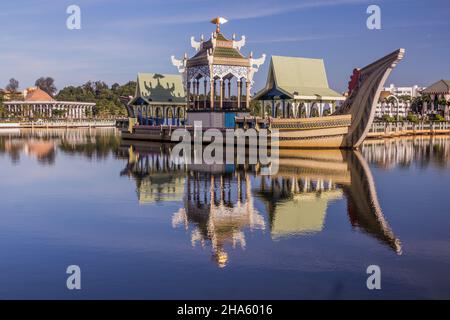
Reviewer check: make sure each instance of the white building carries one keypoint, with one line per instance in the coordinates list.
(413, 91)
(396, 101)
(38, 103)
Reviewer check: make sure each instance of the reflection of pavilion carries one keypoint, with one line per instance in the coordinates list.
(157, 178)
(218, 200)
(220, 206)
(297, 205)
(297, 198)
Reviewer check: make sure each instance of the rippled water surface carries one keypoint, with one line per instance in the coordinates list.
(140, 226)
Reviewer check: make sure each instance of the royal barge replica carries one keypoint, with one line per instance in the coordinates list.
(296, 106)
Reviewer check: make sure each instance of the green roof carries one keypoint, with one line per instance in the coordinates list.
(221, 37)
(155, 87)
(298, 77)
(221, 50)
(227, 53)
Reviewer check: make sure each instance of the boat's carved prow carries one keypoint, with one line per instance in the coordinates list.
(364, 91)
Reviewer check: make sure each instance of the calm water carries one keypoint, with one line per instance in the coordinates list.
(142, 227)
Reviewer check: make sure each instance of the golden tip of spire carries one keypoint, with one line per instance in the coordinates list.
(218, 21)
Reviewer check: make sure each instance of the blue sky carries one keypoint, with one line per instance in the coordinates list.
(120, 38)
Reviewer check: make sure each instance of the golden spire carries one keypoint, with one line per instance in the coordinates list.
(218, 21)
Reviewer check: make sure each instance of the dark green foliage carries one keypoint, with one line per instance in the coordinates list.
(46, 84)
(106, 98)
(412, 118)
(388, 118)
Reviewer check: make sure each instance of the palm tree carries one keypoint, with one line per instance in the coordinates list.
(406, 100)
(416, 105)
(393, 101)
(386, 102)
(426, 99)
(442, 103)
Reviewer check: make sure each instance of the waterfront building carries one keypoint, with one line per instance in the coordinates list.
(37, 103)
(439, 93)
(297, 88)
(413, 91)
(396, 101)
(160, 99)
(218, 79)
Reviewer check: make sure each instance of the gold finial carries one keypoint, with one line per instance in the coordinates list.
(218, 21)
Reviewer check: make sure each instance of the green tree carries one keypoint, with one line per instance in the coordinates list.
(107, 99)
(426, 100)
(416, 105)
(2, 106)
(46, 84)
(412, 118)
(58, 113)
(388, 118)
(255, 107)
(13, 87)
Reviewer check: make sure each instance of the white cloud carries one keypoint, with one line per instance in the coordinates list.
(244, 11)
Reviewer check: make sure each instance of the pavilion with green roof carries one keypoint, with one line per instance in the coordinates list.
(439, 93)
(160, 99)
(298, 87)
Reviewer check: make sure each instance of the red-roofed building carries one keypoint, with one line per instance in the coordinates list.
(36, 94)
(39, 104)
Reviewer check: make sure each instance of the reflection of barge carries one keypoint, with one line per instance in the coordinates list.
(296, 90)
(219, 208)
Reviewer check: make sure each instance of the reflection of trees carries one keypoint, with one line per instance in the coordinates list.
(98, 146)
(44, 144)
(13, 150)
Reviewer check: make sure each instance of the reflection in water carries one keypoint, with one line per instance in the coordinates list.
(219, 200)
(157, 179)
(43, 144)
(219, 205)
(403, 152)
(69, 196)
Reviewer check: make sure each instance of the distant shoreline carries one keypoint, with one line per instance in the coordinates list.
(59, 124)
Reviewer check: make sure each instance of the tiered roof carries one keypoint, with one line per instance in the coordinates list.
(222, 51)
